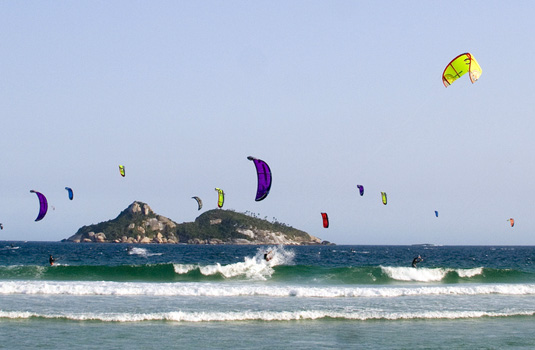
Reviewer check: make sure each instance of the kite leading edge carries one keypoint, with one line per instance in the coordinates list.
(220, 198)
(325, 220)
(71, 193)
(459, 66)
(199, 202)
(43, 205)
(264, 178)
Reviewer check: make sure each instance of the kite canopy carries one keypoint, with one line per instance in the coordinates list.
(71, 194)
(436, 213)
(459, 66)
(264, 178)
(383, 196)
(43, 205)
(220, 198)
(121, 170)
(361, 189)
(199, 202)
(512, 222)
(325, 220)
(1, 226)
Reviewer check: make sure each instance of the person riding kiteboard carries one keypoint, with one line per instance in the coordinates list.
(417, 260)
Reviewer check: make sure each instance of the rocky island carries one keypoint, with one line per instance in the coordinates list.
(139, 224)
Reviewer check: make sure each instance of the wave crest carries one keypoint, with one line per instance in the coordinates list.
(181, 316)
(411, 274)
(253, 268)
(242, 289)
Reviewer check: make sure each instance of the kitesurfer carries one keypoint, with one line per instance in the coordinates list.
(267, 256)
(416, 260)
(51, 260)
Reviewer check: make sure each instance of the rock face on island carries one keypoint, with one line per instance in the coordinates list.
(136, 224)
(139, 224)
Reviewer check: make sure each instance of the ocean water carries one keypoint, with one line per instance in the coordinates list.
(116, 296)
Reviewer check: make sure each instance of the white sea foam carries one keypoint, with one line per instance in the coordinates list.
(8, 247)
(141, 252)
(467, 273)
(236, 289)
(254, 268)
(427, 274)
(180, 316)
(183, 269)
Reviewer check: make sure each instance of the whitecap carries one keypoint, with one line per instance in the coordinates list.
(182, 316)
(89, 288)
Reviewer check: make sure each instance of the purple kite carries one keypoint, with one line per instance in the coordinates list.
(264, 178)
(361, 189)
(43, 205)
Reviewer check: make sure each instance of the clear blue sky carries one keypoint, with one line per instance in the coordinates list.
(330, 93)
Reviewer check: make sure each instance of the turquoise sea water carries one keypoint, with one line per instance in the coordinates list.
(330, 297)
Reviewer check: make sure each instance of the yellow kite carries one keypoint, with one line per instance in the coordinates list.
(459, 66)
(383, 196)
(220, 198)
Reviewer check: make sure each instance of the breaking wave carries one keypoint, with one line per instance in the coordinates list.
(218, 289)
(180, 316)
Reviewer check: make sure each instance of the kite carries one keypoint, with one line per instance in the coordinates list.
(383, 195)
(199, 202)
(264, 178)
(220, 198)
(71, 194)
(361, 190)
(43, 205)
(512, 222)
(436, 213)
(325, 220)
(1, 226)
(121, 170)
(460, 65)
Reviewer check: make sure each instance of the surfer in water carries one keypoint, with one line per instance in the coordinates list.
(416, 260)
(267, 256)
(51, 260)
